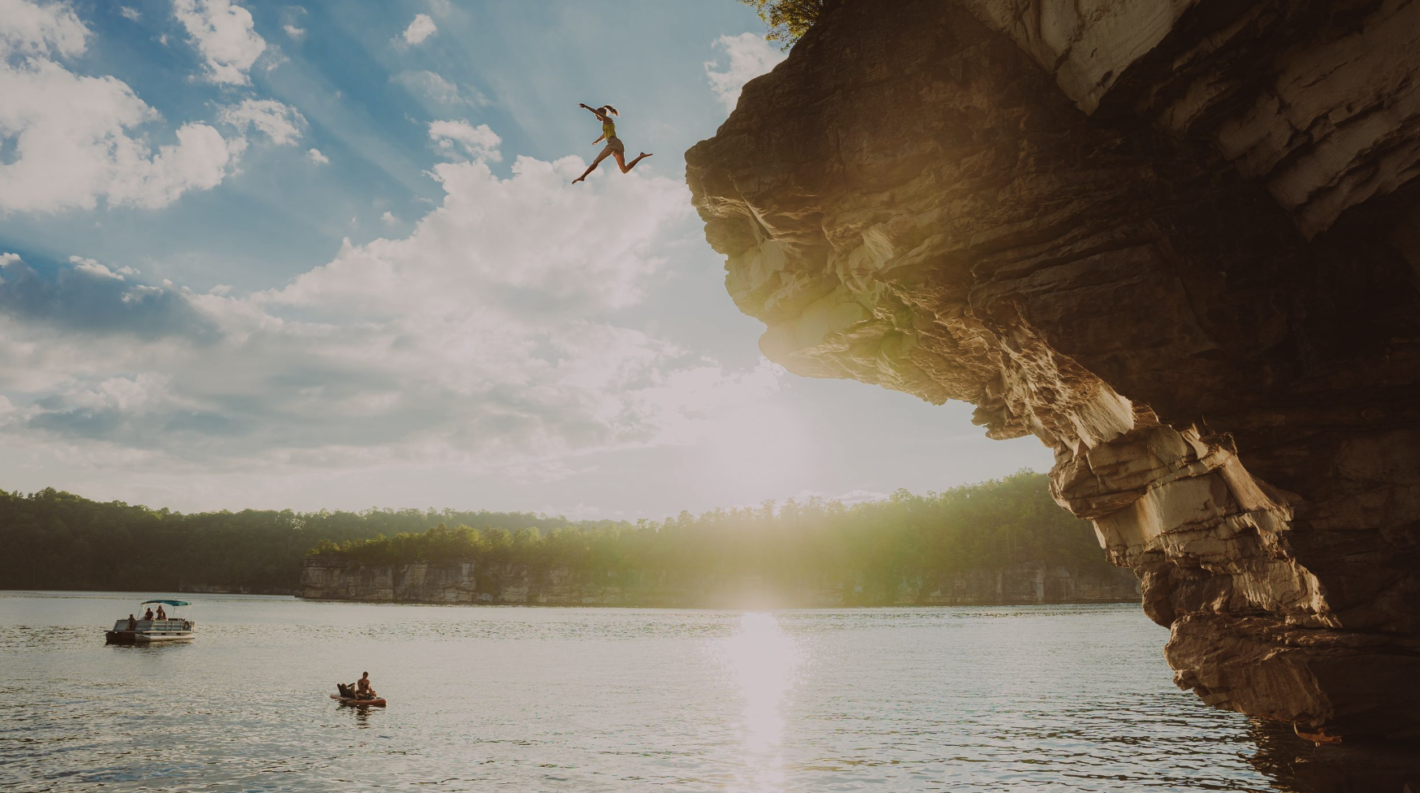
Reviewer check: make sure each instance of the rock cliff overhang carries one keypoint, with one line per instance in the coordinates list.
(1178, 242)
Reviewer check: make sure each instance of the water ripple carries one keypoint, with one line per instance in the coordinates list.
(1060, 698)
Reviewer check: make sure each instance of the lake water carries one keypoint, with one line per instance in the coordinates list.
(522, 699)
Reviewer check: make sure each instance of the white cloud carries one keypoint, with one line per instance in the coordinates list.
(483, 339)
(129, 13)
(29, 28)
(749, 55)
(316, 157)
(282, 123)
(525, 246)
(71, 134)
(420, 29)
(93, 268)
(8, 258)
(855, 496)
(130, 394)
(436, 89)
(291, 21)
(224, 35)
(461, 139)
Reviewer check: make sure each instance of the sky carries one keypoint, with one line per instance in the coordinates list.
(327, 255)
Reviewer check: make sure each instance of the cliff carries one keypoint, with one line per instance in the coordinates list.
(330, 577)
(1177, 242)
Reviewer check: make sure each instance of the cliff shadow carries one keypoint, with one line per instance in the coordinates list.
(1295, 765)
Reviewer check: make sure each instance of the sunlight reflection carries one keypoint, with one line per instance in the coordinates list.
(763, 661)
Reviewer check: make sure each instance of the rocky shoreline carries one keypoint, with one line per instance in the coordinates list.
(468, 583)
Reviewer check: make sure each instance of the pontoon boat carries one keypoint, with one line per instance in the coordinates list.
(141, 631)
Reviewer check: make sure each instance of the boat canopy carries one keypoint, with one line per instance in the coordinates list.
(167, 602)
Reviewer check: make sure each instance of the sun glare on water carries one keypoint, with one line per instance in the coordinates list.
(763, 662)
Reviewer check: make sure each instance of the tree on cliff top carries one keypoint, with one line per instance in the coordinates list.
(788, 20)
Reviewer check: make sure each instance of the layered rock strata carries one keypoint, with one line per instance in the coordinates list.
(1175, 241)
(467, 582)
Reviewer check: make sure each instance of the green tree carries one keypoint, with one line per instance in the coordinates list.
(788, 20)
(56, 540)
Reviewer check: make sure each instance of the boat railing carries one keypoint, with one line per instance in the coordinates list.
(172, 624)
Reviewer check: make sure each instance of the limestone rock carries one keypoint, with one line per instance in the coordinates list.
(332, 577)
(1177, 241)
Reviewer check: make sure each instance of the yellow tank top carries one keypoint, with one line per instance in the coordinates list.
(609, 129)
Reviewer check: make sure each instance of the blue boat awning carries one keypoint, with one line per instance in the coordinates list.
(167, 602)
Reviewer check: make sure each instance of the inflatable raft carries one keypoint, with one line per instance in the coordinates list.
(379, 703)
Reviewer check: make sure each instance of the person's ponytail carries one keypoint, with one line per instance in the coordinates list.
(610, 109)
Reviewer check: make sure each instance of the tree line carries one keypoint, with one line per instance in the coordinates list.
(57, 540)
(905, 537)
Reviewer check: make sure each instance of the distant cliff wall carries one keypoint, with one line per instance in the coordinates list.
(467, 582)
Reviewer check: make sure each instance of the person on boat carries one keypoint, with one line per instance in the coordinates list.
(614, 147)
(148, 615)
(162, 615)
(132, 623)
(363, 689)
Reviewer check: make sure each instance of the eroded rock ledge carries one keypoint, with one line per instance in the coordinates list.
(1175, 241)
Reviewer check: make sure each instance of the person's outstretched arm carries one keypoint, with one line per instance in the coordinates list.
(589, 108)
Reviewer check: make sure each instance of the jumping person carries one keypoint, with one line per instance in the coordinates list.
(614, 146)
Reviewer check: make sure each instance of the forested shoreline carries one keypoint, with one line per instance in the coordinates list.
(63, 541)
(58, 540)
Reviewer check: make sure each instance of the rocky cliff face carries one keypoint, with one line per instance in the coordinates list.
(333, 578)
(1178, 242)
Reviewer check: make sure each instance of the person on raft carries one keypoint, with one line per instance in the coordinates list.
(363, 687)
(614, 146)
(360, 689)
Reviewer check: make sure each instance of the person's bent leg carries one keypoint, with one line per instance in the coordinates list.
(591, 167)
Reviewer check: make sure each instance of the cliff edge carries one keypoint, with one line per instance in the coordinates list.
(1178, 241)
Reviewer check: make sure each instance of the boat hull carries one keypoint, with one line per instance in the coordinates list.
(379, 703)
(145, 631)
(154, 638)
(142, 637)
